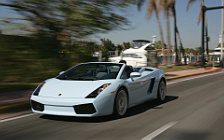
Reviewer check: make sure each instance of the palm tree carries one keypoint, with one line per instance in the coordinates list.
(175, 31)
(199, 20)
(154, 8)
(169, 6)
(166, 5)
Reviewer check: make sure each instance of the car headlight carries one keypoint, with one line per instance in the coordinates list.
(37, 90)
(96, 92)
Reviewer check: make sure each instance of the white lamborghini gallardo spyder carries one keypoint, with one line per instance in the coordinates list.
(98, 89)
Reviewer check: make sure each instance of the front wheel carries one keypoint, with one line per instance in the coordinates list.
(161, 93)
(121, 103)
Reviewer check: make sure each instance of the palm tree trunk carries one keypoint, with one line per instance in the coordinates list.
(175, 34)
(168, 36)
(161, 33)
(160, 29)
(181, 46)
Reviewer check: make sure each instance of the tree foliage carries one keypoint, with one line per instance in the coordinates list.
(29, 59)
(158, 45)
(106, 46)
(66, 19)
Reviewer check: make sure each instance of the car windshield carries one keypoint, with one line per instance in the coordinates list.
(92, 71)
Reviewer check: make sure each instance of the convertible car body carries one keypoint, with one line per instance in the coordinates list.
(97, 89)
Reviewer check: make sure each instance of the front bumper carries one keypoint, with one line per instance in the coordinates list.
(73, 106)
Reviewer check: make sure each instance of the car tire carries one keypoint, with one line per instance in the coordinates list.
(161, 93)
(121, 103)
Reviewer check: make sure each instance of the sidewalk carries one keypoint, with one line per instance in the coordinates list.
(14, 103)
(19, 101)
(14, 97)
(185, 73)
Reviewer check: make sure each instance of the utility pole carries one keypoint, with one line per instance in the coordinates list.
(222, 28)
(207, 39)
(203, 36)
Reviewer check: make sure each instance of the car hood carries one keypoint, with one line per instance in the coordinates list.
(69, 88)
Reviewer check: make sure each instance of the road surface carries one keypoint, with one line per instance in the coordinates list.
(194, 110)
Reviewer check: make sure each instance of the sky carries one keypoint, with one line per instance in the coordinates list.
(142, 27)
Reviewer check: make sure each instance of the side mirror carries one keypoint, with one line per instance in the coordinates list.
(61, 72)
(135, 75)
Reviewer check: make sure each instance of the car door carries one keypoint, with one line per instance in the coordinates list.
(147, 84)
(134, 86)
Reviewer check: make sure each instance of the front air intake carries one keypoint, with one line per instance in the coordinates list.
(84, 109)
(37, 106)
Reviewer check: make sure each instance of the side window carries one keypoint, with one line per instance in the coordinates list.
(126, 73)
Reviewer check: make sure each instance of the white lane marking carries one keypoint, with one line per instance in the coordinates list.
(15, 118)
(187, 79)
(159, 131)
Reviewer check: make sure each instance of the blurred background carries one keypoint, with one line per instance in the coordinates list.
(45, 37)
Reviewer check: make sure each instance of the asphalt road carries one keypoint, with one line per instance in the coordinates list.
(194, 110)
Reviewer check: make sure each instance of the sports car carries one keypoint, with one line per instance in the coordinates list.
(98, 89)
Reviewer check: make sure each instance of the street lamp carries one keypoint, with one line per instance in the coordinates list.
(204, 10)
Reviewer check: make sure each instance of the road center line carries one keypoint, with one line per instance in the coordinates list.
(159, 131)
(15, 118)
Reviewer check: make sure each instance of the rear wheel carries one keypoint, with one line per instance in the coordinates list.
(121, 103)
(161, 93)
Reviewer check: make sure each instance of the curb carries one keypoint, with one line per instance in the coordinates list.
(22, 106)
(194, 74)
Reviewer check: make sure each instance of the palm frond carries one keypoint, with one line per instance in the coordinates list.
(201, 6)
(152, 7)
(167, 5)
(190, 3)
(171, 2)
(200, 16)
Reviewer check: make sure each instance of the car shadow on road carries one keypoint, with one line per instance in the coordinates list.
(131, 112)
(154, 104)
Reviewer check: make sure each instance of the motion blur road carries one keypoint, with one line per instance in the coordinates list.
(194, 110)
